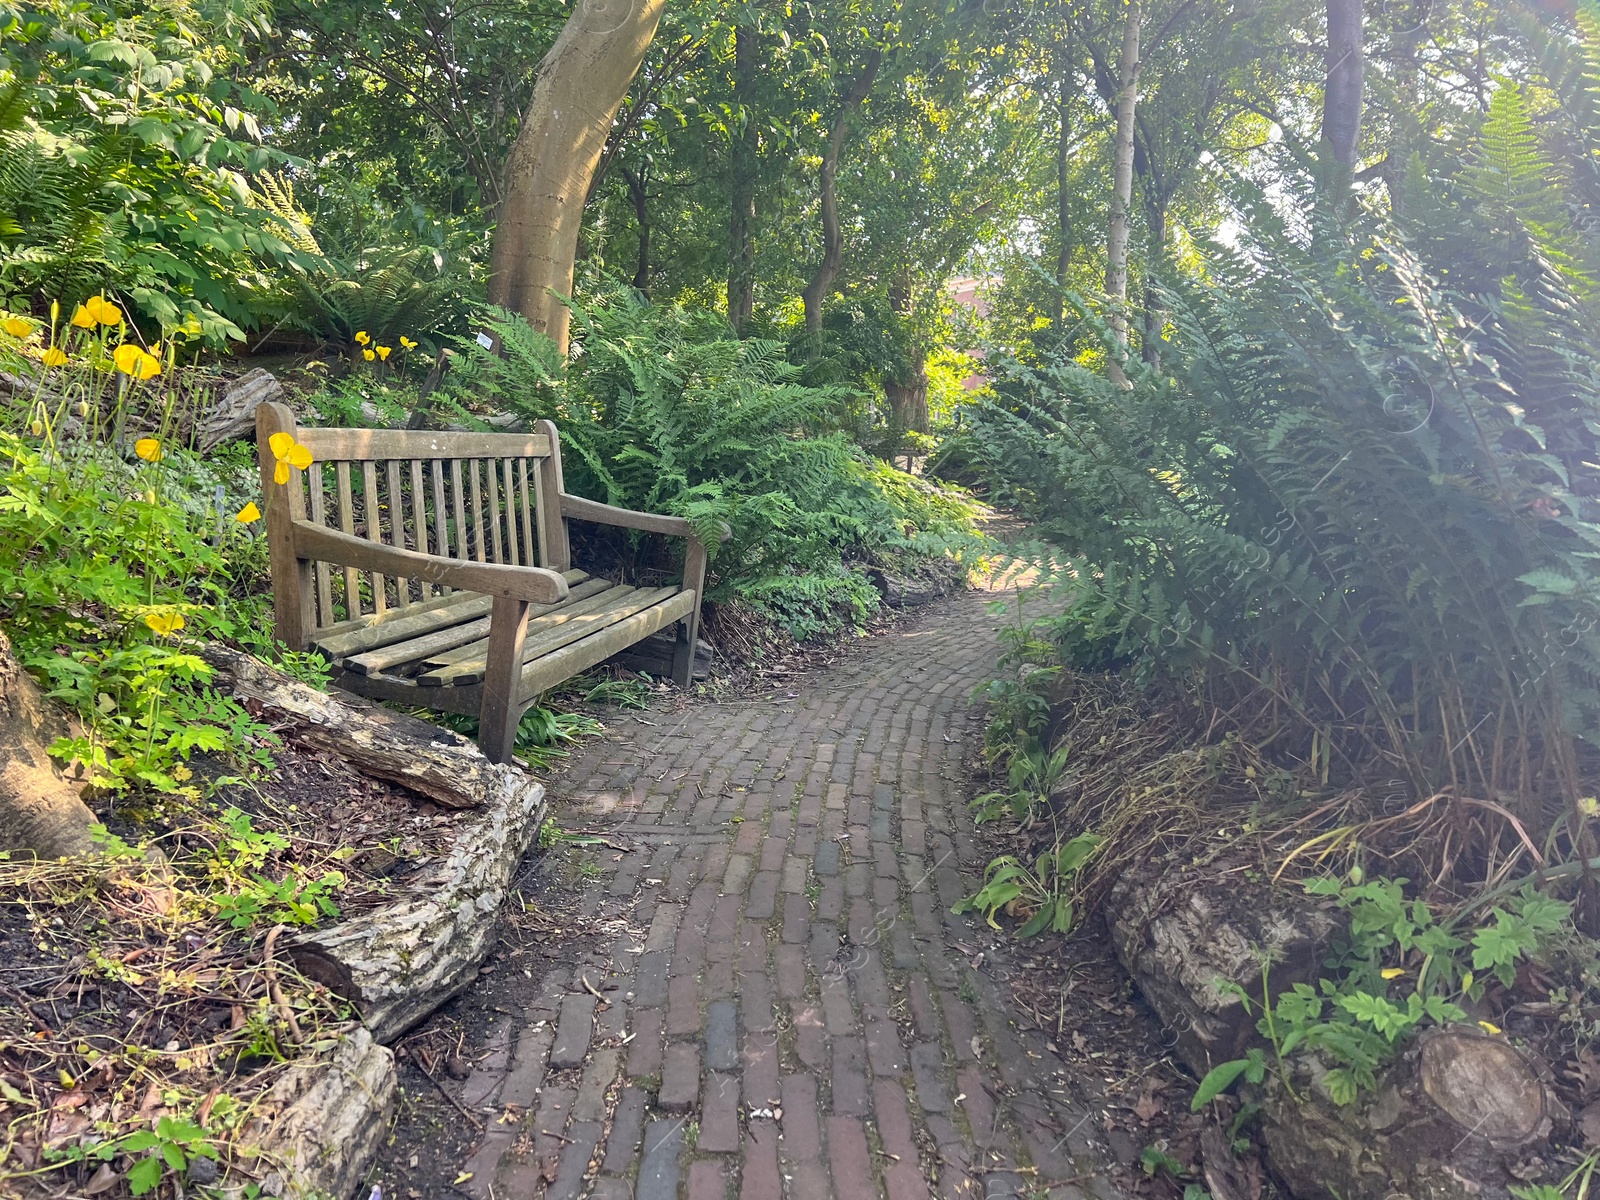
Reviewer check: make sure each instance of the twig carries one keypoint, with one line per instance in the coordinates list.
(465, 1112)
(274, 990)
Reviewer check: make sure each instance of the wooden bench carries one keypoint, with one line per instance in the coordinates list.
(435, 569)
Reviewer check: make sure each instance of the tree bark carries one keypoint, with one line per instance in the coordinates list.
(1155, 316)
(742, 218)
(582, 82)
(908, 397)
(1122, 188)
(1341, 97)
(641, 214)
(832, 236)
(40, 812)
(1063, 190)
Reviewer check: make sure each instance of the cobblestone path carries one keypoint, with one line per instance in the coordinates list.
(788, 1008)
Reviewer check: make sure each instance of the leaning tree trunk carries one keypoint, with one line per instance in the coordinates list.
(39, 810)
(743, 161)
(1063, 191)
(832, 236)
(1122, 189)
(1341, 97)
(581, 85)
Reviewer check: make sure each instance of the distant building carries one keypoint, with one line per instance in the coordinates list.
(970, 292)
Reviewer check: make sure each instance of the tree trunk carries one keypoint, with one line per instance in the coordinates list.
(1341, 98)
(641, 213)
(908, 397)
(1155, 317)
(1063, 190)
(1122, 189)
(832, 236)
(40, 812)
(742, 219)
(581, 85)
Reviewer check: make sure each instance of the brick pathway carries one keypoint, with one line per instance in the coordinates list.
(788, 1009)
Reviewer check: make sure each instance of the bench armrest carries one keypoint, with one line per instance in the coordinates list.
(627, 518)
(533, 584)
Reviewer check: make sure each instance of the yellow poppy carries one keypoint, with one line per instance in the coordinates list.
(83, 318)
(148, 449)
(166, 624)
(17, 327)
(368, 355)
(103, 311)
(53, 357)
(289, 453)
(248, 513)
(1488, 1027)
(363, 338)
(136, 361)
(384, 352)
(406, 343)
(1392, 972)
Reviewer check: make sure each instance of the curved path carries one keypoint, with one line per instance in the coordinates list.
(789, 1009)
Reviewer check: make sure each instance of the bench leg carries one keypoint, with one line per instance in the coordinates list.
(694, 576)
(501, 709)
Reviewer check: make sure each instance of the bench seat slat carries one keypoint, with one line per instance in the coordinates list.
(550, 669)
(541, 624)
(419, 648)
(573, 629)
(422, 616)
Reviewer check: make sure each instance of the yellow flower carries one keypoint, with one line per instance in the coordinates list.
(17, 327)
(36, 428)
(406, 343)
(363, 338)
(53, 357)
(248, 513)
(368, 354)
(166, 624)
(384, 352)
(83, 318)
(1488, 1027)
(148, 449)
(135, 361)
(1392, 972)
(103, 310)
(289, 453)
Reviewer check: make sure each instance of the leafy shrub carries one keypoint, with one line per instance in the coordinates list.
(663, 409)
(123, 141)
(1362, 480)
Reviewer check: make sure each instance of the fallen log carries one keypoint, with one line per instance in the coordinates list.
(321, 1125)
(400, 962)
(434, 762)
(1460, 1113)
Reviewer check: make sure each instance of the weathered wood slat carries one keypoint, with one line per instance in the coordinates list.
(377, 445)
(492, 579)
(372, 514)
(333, 633)
(473, 626)
(557, 548)
(463, 548)
(497, 537)
(319, 514)
(347, 524)
(547, 671)
(571, 629)
(529, 535)
(480, 542)
(441, 517)
(508, 481)
(595, 601)
(606, 514)
(419, 517)
(397, 525)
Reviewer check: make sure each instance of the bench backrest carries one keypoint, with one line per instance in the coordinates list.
(485, 497)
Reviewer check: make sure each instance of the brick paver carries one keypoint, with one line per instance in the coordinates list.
(790, 1010)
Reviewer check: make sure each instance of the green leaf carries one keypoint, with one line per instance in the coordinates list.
(1218, 1080)
(145, 1175)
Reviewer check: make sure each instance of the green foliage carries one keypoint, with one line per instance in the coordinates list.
(1042, 892)
(1349, 1018)
(124, 138)
(662, 409)
(104, 574)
